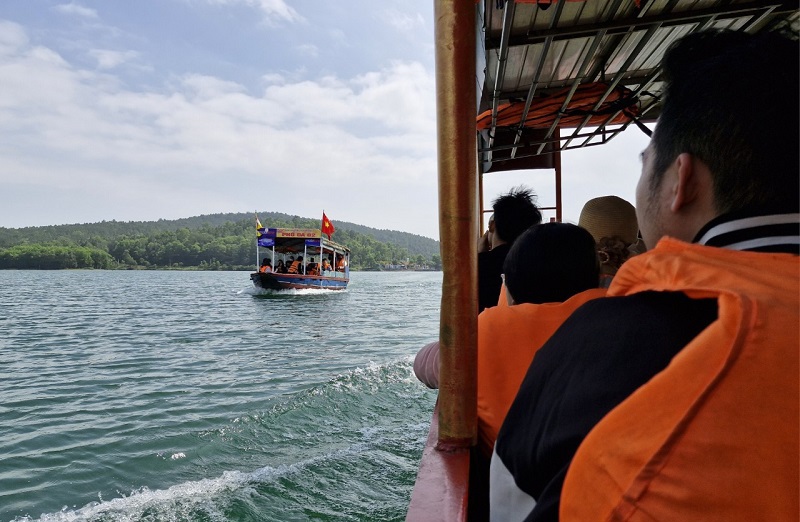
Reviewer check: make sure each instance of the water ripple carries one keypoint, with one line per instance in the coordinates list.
(189, 396)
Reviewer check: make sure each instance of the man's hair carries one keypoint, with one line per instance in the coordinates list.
(514, 213)
(550, 263)
(732, 101)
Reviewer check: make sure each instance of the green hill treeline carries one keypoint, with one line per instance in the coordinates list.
(211, 242)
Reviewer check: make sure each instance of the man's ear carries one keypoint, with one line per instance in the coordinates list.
(684, 189)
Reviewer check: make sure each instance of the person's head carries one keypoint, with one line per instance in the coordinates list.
(550, 263)
(612, 223)
(515, 212)
(727, 136)
(265, 262)
(280, 262)
(299, 258)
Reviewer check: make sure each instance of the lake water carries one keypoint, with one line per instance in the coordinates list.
(171, 396)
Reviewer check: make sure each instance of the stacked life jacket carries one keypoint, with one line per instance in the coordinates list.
(715, 436)
(508, 338)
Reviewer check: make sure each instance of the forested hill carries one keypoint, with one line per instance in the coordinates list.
(215, 241)
(415, 244)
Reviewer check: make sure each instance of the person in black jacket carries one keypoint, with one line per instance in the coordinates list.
(514, 213)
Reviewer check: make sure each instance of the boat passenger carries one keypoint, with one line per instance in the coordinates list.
(514, 212)
(550, 271)
(326, 265)
(340, 264)
(312, 268)
(676, 397)
(612, 222)
(485, 242)
(266, 266)
(280, 267)
(295, 266)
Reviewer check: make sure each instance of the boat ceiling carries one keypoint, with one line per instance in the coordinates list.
(535, 51)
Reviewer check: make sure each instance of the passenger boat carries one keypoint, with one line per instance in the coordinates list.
(518, 82)
(286, 244)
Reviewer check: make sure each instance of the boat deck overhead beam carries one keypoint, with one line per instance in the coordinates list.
(537, 75)
(726, 11)
(617, 77)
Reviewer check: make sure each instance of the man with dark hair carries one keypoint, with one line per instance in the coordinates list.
(514, 213)
(677, 398)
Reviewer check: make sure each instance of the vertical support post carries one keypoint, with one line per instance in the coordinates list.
(481, 224)
(557, 164)
(458, 221)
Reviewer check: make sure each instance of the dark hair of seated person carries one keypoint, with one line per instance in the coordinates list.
(550, 263)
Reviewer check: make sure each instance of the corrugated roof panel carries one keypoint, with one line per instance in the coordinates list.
(626, 42)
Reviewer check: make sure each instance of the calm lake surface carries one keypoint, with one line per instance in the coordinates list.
(172, 396)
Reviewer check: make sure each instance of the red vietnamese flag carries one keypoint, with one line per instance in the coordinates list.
(327, 226)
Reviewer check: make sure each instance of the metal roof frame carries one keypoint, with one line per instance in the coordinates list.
(531, 49)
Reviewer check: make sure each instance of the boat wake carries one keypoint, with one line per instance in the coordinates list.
(353, 452)
(288, 292)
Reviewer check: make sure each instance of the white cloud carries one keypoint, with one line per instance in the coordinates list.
(274, 10)
(363, 147)
(273, 78)
(77, 10)
(338, 37)
(107, 59)
(309, 50)
(12, 38)
(404, 22)
(279, 9)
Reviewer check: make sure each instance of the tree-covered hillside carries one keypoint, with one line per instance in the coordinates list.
(211, 242)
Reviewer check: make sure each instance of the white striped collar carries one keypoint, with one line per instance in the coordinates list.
(752, 232)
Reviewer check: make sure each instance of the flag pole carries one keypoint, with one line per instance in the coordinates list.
(258, 263)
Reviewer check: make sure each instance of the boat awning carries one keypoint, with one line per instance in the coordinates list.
(590, 68)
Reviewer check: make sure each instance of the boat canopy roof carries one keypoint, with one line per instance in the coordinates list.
(296, 240)
(584, 69)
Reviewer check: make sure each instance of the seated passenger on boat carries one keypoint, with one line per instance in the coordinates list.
(340, 264)
(514, 213)
(549, 272)
(326, 265)
(676, 397)
(266, 266)
(612, 222)
(296, 266)
(312, 268)
(280, 267)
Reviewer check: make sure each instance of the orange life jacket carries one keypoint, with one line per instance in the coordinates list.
(716, 435)
(508, 338)
(294, 268)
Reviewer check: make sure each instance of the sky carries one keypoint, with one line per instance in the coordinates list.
(163, 109)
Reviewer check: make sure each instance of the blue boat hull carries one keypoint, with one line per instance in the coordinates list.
(272, 281)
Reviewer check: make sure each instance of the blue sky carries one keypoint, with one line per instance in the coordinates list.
(115, 109)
